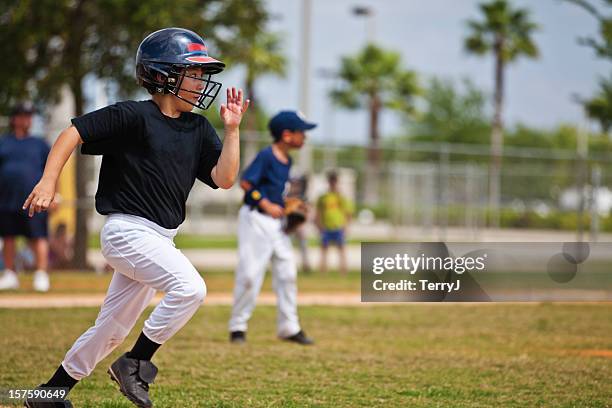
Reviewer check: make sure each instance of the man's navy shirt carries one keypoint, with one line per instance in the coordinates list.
(150, 161)
(22, 162)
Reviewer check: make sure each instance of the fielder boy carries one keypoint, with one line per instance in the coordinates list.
(153, 151)
(262, 236)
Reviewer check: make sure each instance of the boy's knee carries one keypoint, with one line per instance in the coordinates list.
(195, 291)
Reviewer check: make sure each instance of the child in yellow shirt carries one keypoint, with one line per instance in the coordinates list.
(333, 215)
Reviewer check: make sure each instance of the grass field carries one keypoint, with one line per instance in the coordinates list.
(191, 241)
(216, 281)
(421, 355)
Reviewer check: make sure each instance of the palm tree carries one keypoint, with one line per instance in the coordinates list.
(375, 79)
(599, 107)
(506, 33)
(260, 55)
(603, 45)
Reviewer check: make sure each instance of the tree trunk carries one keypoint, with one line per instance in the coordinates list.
(73, 60)
(497, 138)
(81, 240)
(250, 136)
(371, 194)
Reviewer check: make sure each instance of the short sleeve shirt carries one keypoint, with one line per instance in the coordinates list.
(268, 176)
(22, 161)
(149, 161)
(334, 209)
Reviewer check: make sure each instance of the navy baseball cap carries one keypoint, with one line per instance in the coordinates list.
(288, 120)
(23, 108)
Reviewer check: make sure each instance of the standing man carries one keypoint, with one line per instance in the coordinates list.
(22, 161)
(333, 215)
(261, 234)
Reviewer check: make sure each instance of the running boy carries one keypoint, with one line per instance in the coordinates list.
(153, 151)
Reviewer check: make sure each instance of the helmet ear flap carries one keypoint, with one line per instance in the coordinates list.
(173, 80)
(153, 77)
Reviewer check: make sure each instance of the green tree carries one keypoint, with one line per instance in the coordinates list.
(452, 114)
(506, 33)
(57, 43)
(375, 79)
(603, 45)
(599, 107)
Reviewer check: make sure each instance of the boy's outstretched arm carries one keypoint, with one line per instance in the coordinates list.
(225, 171)
(44, 191)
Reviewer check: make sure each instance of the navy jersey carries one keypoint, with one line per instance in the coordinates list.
(150, 161)
(268, 175)
(22, 162)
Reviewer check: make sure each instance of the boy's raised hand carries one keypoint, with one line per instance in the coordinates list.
(234, 108)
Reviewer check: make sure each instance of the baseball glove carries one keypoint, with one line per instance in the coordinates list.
(295, 213)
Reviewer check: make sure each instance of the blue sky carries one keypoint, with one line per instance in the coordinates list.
(429, 36)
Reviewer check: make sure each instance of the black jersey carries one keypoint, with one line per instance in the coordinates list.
(150, 161)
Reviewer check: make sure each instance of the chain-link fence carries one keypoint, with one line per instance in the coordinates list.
(442, 185)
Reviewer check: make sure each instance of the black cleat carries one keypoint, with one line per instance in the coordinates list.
(134, 377)
(238, 337)
(46, 404)
(300, 338)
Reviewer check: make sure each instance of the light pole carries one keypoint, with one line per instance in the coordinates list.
(329, 158)
(305, 155)
(368, 14)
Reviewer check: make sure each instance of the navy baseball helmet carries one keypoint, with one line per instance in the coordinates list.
(163, 58)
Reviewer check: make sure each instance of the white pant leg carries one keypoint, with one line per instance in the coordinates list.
(149, 261)
(284, 280)
(254, 252)
(158, 264)
(125, 301)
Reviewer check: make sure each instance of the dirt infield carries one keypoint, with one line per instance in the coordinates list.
(34, 301)
(44, 301)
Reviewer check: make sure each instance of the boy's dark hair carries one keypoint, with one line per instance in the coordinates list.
(332, 176)
(276, 136)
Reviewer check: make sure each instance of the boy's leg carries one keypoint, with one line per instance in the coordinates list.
(324, 246)
(284, 280)
(124, 303)
(125, 300)
(254, 251)
(151, 259)
(342, 252)
(343, 262)
(300, 233)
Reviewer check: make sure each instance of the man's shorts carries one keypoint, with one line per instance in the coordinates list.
(17, 223)
(336, 236)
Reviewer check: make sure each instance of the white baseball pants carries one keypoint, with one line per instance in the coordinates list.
(145, 260)
(261, 239)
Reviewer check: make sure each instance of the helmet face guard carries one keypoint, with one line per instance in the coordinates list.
(162, 62)
(206, 96)
(168, 79)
